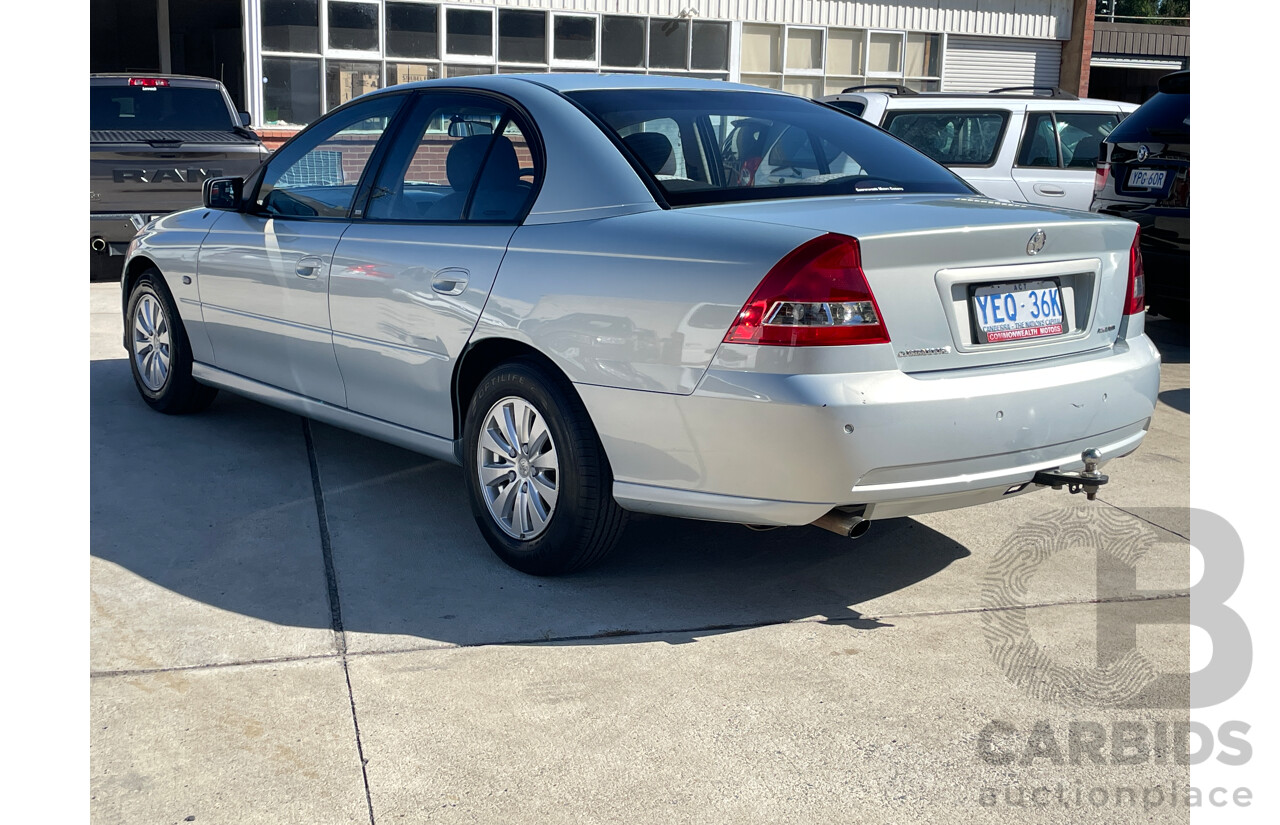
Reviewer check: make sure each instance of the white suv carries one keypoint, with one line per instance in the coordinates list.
(1029, 144)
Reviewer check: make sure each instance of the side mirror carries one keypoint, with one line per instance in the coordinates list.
(223, 193)
(245, 119)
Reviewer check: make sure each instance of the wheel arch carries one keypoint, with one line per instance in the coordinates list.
(479, 359)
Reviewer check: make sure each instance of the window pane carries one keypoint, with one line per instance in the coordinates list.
(668, 43)
(710, 45)
(291, 25)
(1081, 135)
(968, 138)
(412, 30)
(885, 54)
(346, 79)
(521, 69)
(466, 71)
(803, 86)
(623, 41)
(923, 85)
(522, 36)
(836, 85)
(291, 90)
(922, 55)
(804, 49)
(410, 72)
(575, 38)
(761, 48)
(1039, 143)
(353, 26)
(317, 176)
(844, 51)
(469, 31)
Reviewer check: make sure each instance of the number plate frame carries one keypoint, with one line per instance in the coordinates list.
(984, 337)
(1145, 187)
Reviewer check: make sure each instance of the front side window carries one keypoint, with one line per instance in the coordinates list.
(716, 147)
(316, 175)
(951, 138)
(460, 158)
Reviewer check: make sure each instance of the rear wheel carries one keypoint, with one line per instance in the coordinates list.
(539, 482)
(159, 352)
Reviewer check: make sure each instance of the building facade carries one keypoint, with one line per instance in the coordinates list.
(296, 59)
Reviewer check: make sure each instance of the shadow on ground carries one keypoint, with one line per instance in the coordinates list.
(219, 508)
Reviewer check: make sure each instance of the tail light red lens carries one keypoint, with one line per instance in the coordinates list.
(1135, 297)
(816, 296)
(149, 82)
(1100, 174)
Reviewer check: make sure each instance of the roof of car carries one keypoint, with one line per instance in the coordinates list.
(975, 99)
(579, 82)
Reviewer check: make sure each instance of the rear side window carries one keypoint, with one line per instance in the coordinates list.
(158, 109)
(1163, 116)
(719, 146)
(952, 138)
(1065, 140)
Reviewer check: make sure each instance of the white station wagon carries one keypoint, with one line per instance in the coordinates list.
(1022, 144)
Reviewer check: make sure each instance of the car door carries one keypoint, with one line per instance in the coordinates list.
(1058, 154)
(264, 270)
(411, 276)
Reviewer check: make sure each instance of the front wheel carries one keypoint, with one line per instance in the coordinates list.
(159, 352)
(539, 481)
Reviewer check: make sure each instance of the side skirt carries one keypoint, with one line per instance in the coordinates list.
(419, 442)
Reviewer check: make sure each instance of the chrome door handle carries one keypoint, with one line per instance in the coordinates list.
(309, 267)
(450, 281)
(1051, 191)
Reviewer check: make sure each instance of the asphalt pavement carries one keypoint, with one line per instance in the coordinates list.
(291, 623)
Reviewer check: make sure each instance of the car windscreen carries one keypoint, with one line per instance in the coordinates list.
(158, 108)
(710, 146)
(959, 138)
(1163, 117)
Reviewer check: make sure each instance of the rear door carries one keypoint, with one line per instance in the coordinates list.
(411, 276)
(264, 271)
(1058, 154)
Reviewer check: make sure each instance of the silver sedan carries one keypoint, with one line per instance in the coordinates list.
(610, 294)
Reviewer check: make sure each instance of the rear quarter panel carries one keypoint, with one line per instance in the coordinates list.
(639, 301)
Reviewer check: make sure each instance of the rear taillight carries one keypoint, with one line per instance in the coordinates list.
(816, 296)
(148, 82)
(1100, 176)
(1135, 297)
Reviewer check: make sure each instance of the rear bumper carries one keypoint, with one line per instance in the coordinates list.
(764, 448)
(116, 229)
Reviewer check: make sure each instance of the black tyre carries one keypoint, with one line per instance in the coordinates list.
(540, 484)
(159, 352)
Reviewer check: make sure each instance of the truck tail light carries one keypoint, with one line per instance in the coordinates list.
(149, 82)
(815, 296)
(1135, 297)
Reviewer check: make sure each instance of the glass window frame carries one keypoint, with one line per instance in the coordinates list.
(448, 57)
(354, 54)
(594, 62)
(546, 39)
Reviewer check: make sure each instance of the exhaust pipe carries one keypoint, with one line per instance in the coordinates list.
(845, 523)
(98, 245)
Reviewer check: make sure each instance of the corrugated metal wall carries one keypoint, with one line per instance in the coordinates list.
(1006, 18)
(980, 64)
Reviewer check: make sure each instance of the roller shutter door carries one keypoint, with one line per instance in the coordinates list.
(980, 64)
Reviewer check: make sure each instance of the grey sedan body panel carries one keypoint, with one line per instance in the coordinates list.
(264, 286)
(613, 308)
(403, 301)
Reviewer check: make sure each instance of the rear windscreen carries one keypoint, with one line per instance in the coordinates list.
(709, 146)
(164, 108)
(1163, 116)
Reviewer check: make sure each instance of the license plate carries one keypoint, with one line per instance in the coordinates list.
(1014, 312)
(1146, 178)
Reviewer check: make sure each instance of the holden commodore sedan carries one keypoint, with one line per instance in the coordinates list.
(570, 286)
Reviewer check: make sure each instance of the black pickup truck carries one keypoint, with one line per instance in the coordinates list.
(153, 141)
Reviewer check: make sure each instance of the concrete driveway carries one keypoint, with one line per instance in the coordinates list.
(291, 623)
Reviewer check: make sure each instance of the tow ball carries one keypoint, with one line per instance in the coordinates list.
(1087, 480)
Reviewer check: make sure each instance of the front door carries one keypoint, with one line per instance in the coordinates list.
(264, 271)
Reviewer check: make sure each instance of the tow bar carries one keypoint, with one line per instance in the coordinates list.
(1087, 480)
